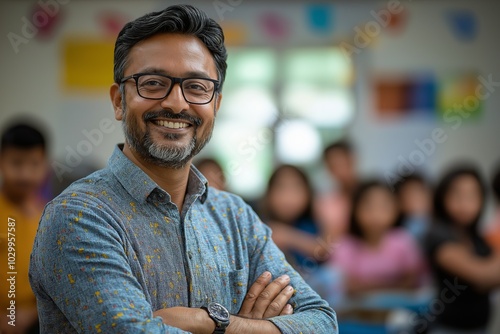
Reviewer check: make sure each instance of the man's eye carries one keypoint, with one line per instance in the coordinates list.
(196, 86)
(152, 83)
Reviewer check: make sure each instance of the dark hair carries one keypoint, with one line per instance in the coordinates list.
(341, 145)
(183, 19)
(441, 215)
(268, 213)
(359, 195)
(208, 161)
(415, 177)
(211, 161)
(22, 136)
(495, 184)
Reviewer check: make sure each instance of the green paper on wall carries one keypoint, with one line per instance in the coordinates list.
(457, 94)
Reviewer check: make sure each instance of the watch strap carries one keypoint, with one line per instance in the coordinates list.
(219, 330)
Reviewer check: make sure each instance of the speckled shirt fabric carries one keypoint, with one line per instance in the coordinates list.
(113, 248)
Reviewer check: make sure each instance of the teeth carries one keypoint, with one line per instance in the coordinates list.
(172, 125)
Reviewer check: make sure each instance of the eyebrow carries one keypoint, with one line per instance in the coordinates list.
(191, 74)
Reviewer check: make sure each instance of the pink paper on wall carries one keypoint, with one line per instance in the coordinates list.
(45, 19)
(112, 22)
(275, 27)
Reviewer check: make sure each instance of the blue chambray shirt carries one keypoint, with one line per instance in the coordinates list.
(113, 248)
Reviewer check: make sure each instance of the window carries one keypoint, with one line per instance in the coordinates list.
(279, 107)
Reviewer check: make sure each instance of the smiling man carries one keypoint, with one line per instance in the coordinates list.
(145, 245)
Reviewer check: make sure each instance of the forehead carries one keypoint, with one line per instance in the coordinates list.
(464, 181)
(174, 54)
(378, 193)
(413, 185)
(338, 153)
(18, 153)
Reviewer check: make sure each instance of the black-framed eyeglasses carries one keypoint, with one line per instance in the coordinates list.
(154, 86)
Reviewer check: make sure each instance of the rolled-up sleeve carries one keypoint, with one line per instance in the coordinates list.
(81, 275)
(311, 313)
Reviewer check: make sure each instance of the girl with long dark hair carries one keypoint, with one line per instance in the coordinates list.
(465, 268)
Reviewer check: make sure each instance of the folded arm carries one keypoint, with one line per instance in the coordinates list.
(265, 298)
(308, 307)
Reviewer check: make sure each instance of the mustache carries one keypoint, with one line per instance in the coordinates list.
(151, 115)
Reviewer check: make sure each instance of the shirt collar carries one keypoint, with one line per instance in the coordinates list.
(197, 184)
(139, 185)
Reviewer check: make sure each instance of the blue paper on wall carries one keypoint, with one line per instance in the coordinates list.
(423, 94)
(320, 18)
(462, 23)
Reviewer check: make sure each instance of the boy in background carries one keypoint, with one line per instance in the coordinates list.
(23, 169)
(332, 209)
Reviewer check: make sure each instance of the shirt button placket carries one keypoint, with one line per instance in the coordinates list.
(192, 266)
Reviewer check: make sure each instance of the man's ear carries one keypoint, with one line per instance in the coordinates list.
(116, 100)
(218, 99)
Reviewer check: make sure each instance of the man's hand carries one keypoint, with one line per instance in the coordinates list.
(265, 299)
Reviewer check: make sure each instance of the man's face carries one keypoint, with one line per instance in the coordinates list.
(23, 171)
(168, 132)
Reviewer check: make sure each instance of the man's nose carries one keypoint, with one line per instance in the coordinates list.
(175, 101)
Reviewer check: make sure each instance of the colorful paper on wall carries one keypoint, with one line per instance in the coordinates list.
(46, 19)
(458, 94)
(87, 63)
(320, 18)
(275, 27)
(423, 95)
(397, 21)
(391, 97)
(235, 33)
(420, 94)
(406, 95)
(112, 22)
(462, 23)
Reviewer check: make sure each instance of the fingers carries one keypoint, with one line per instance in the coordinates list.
(254, 292)
(287, 310)
(267, 297)
(279, 304)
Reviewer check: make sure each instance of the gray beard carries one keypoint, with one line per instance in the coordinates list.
(163, 156)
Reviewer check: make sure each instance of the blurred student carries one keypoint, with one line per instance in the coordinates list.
(465, 268)
(23, 170)
(332, 209)
(493, 231)
(376, 254)
(213, 172)
(287, 210)
(415, 201)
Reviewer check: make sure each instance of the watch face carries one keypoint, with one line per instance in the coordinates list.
(218, 311)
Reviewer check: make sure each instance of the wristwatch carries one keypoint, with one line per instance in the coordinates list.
(220, 315)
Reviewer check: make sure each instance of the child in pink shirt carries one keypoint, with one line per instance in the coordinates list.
(376, 254)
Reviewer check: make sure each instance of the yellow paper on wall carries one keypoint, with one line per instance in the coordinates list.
(87, 63)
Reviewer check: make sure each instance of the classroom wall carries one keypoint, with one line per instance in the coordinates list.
(30, 79)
